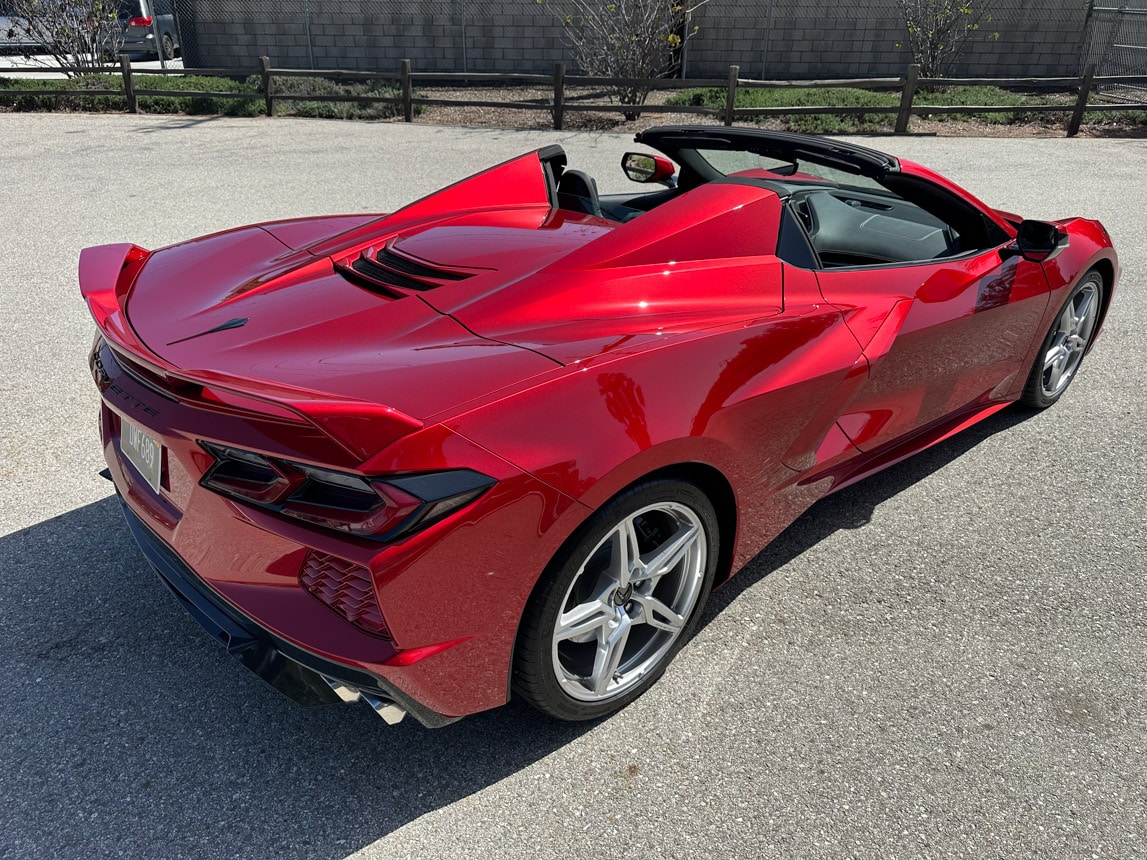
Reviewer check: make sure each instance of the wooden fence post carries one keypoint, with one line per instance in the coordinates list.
(407, 91)
(1081, 104)
(128, 84)
(731, 93)
(906, 97)
(559, 94)
(268, 98)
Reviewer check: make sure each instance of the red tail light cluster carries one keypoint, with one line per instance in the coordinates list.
(377, 508)
(346, 588)
(145, 21)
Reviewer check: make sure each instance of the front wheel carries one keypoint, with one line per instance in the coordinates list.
(615, 607)
(1062, 350)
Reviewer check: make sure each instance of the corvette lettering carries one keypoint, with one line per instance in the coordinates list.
(133, 400)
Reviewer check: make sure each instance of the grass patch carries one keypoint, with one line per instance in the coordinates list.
(818, 97)
(850, 97)
(994, 96)
(178, 96)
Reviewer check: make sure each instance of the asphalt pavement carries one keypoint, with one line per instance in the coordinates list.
(947, 660)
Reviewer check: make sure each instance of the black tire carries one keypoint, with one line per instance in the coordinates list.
(1066, 343)
(632, 630)
(167, 47)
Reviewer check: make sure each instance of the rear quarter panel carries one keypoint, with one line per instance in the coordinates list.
(739, 398)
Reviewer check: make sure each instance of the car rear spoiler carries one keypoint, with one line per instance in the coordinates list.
(107, 273)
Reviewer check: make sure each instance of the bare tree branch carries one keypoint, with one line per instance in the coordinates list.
(628, 39)
(80, 33)
(939, 31)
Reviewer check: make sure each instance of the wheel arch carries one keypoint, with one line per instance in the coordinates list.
(1106, 269)
(720, 492)
(709, 479)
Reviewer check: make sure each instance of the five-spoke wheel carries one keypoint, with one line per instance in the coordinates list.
(1067, 341)
(614, 609)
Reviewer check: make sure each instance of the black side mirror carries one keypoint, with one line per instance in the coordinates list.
(1037, 240)
(640, 167)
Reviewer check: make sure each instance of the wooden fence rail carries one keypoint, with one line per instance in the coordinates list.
(561, 103)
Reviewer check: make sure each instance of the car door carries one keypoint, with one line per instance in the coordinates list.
(941, 336)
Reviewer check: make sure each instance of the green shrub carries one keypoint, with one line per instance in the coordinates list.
(198, 105)
(335, 109)
(30, 103)
(177, 102)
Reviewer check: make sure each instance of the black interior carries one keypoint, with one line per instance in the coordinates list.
(577, 192)
(832, 219)
(848, 227)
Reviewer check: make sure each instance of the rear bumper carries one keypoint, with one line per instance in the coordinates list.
(292, 671)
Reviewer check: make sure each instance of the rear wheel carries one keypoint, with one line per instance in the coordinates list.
(167, 46)
(1062, 351)
(617, 605)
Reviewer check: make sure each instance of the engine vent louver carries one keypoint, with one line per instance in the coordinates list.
(396, 275)
(416, 268)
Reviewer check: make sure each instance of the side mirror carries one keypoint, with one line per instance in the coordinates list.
(1037, 240)
(641, 167)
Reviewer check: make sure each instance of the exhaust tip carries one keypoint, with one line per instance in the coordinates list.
(389, 711)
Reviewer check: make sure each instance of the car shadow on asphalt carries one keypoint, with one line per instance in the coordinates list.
(852, 507)
(128, 731)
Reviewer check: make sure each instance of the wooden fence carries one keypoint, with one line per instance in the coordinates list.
(560, 104)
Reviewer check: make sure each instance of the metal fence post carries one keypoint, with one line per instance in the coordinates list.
(128, 84)
(1081, 103)
(906, 97)
(731, 93)
(268, 98)
(407, 92)
(559, 94)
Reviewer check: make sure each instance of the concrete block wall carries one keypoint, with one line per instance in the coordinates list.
(785, 39)
(821, 38)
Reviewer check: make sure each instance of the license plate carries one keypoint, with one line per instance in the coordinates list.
(141, 451)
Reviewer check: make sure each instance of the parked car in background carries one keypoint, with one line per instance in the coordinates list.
(149, 28)
(13, 33)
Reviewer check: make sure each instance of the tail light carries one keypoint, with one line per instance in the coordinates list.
(145, 21)
(372, 507)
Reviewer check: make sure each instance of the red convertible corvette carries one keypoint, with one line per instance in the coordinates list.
(505, 440)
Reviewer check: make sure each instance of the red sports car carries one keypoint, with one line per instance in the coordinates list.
(505, 440)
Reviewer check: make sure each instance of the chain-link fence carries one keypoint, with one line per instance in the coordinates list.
(769, 39)
(1116, 42)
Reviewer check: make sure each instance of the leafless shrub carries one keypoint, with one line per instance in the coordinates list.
(85, 34)
(638, 39)
(939, 31)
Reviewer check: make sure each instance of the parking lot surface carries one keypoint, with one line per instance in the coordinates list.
(946, 660)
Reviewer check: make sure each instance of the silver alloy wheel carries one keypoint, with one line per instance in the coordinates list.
(1072, 333)
(629, 602)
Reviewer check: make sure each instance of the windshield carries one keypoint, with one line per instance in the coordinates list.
(732, 162)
